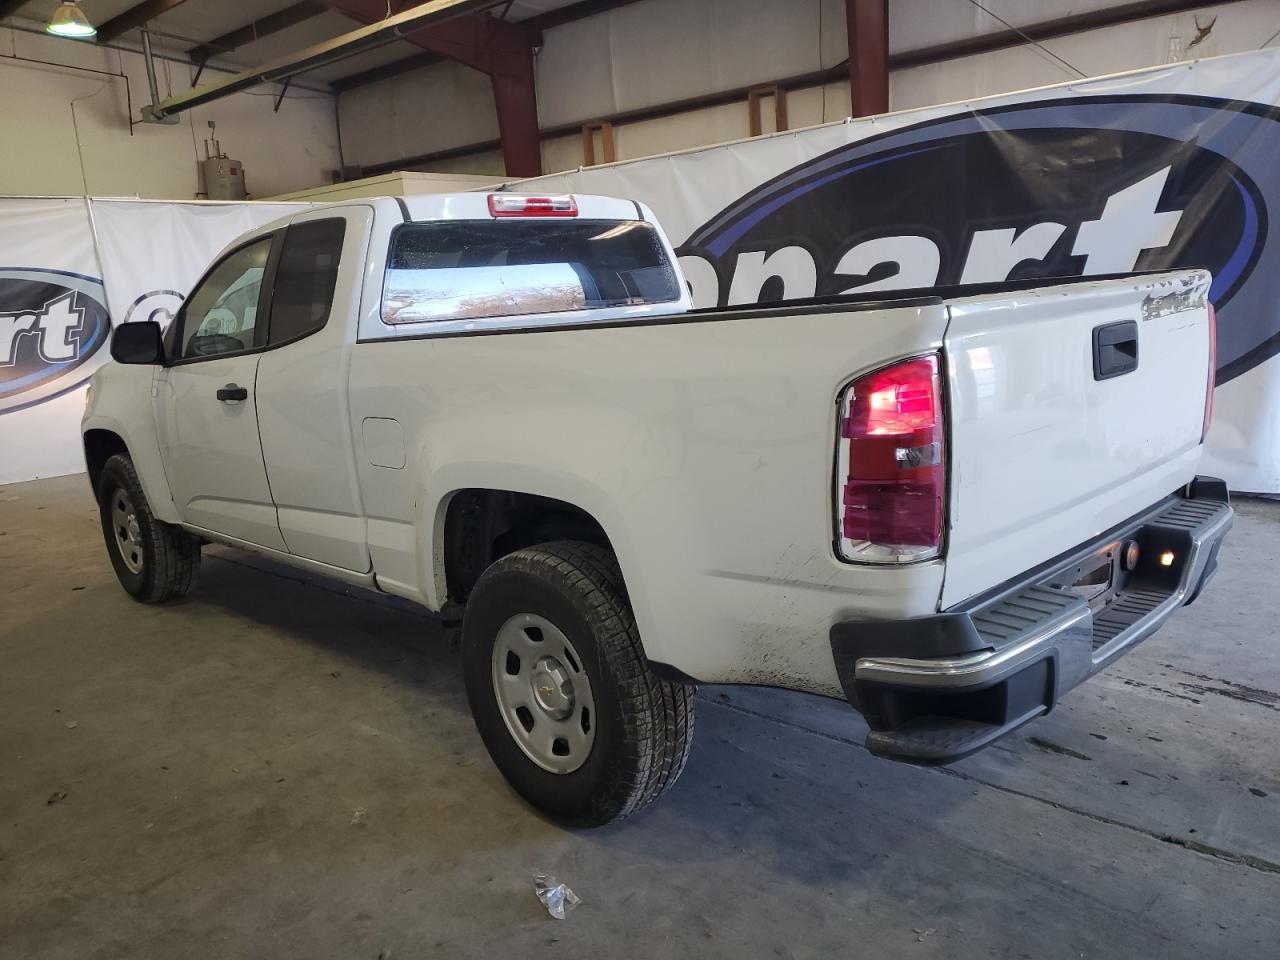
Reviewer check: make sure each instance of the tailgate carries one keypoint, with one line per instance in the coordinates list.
(1053, 438)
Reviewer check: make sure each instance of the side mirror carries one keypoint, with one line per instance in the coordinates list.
(137, 342)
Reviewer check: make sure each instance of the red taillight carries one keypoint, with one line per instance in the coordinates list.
(892, 464)
(522, 205)
(1213, 372)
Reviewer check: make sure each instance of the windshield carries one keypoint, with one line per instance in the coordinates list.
(449, 270)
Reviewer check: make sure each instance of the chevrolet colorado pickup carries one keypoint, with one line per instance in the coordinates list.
(948, 507)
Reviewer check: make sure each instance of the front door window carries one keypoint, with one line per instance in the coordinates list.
(221, 315)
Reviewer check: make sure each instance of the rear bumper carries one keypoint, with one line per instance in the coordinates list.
(935, 689)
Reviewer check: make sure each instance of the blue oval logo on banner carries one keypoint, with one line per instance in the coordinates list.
(1051, 188)
(53, 326)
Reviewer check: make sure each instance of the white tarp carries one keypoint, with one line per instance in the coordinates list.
(1172, 166)
(46, 255)
(153, 253)
(69, 270)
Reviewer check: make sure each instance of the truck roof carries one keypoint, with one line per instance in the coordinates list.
(468, 206)
(475, 206)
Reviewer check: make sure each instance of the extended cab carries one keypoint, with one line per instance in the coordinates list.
(948, 507)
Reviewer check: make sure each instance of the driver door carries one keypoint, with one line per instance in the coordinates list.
(205, 403)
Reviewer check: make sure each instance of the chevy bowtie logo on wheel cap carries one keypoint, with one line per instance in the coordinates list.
(53, 326)
(1050, 188)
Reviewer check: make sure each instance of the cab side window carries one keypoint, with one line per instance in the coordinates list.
(221, 316)
(305, 279)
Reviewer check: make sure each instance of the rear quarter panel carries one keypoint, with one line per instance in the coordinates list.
(704, 447)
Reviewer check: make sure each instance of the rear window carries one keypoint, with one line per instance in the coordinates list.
(457, 269)
(306, 278)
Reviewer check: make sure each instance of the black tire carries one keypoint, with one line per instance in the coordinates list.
(164, 560)
(643, 725)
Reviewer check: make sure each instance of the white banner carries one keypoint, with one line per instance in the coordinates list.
(153, 253)
(60, 294)
(53, 325)
(1167, 167)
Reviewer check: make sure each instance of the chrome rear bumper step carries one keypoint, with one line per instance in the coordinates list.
(939, 688)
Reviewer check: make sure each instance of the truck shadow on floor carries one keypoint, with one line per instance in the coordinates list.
(746, 778)
(354, 621)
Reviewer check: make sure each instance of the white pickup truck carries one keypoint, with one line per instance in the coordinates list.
(948, 508)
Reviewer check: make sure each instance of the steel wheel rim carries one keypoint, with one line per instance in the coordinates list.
(128, 534)
(543, 693)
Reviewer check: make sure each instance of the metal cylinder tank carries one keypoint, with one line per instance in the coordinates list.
(223, 178)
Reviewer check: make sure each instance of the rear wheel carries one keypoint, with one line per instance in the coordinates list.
(154, 561)
(560, 688)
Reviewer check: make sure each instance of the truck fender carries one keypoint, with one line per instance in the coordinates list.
(144, 449)
(439, 487)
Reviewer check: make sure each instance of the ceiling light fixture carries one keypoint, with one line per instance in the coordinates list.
(69, 21)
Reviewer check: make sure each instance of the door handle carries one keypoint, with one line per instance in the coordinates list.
(1115, 349)
(232, 393)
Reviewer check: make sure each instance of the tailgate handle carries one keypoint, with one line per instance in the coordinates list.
(1115, 349)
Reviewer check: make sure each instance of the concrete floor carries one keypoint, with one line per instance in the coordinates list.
(283, 767)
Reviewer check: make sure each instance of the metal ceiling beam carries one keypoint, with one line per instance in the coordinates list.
(262, 27)
(330, 51)
(9, 7)
(385, 72)
(544, 21)
(468, 40)
(133, 18)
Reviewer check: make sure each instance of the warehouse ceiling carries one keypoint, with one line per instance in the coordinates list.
(248, 33)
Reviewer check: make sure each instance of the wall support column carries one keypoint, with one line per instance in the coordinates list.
(868, 23)
(515, 98)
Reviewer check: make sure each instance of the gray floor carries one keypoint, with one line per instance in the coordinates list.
(282, 768)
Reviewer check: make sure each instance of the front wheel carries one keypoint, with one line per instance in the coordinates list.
(153, 560)
(560, 689)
